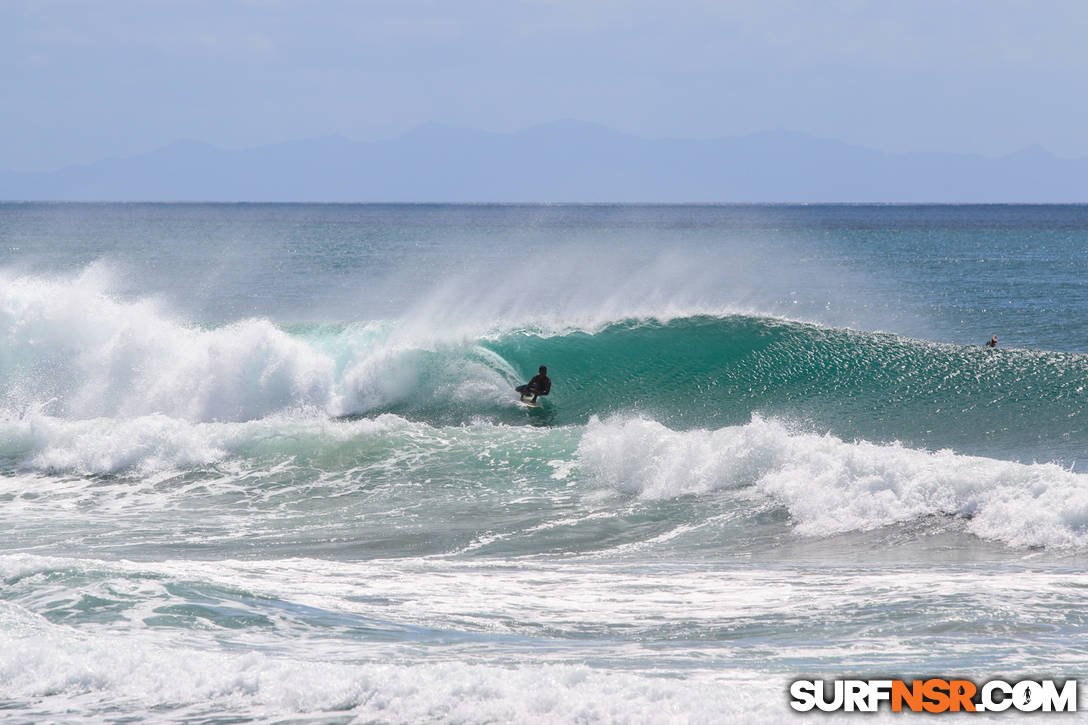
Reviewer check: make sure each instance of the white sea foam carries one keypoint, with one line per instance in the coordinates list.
(74, 350)
(152, 443)
(831, 486)
(144, 674)
(132, 667)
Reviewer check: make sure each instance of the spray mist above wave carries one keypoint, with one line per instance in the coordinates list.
(77, 352)
(830, 486)
(574, 290)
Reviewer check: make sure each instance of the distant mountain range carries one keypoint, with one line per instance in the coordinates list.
(556, 162)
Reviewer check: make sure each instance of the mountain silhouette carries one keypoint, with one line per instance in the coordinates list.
(565, 161)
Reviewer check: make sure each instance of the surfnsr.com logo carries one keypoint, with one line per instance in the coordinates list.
(934, 695)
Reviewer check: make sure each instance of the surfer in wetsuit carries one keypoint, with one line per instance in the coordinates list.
(992, 342)
(541, 384)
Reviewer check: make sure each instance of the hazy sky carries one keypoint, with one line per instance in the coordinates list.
(82, 80)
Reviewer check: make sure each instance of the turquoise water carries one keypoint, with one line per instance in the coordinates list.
(264, 462)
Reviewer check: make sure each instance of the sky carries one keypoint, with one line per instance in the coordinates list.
(81, 81)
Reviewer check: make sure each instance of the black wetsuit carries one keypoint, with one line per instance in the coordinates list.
(541, 384)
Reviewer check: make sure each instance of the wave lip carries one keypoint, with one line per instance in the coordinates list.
(830, 486)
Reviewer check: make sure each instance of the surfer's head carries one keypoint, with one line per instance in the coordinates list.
(543, 369)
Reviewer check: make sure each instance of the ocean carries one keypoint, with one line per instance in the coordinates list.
(264, 462)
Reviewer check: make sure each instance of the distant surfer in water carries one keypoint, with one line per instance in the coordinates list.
(992, 342)
(541, 384)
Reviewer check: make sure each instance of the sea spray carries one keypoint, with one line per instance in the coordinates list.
(80, 353)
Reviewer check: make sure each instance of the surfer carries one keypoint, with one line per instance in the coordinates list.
(992, 342)
(541, 384)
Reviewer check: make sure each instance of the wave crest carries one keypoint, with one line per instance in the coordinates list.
(75, 351)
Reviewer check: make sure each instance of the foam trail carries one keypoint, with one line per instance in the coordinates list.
(152, 443)
(64, 671)
(830, 486)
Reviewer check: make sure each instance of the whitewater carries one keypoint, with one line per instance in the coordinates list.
(264, 463)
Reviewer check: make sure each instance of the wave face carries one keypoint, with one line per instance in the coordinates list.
(708, 371)
(75, 352)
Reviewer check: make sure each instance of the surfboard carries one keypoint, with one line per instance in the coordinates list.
(527, 401)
